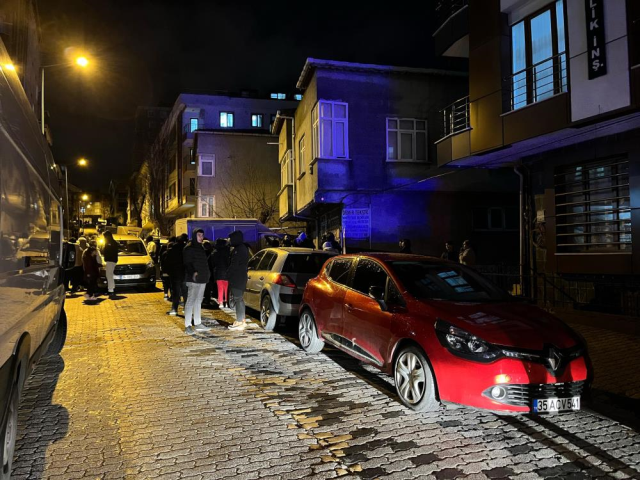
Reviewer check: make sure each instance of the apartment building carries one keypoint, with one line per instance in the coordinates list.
(217, 146)
(554, 91)
(357, 157)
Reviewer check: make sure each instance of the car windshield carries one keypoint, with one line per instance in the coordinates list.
(310, 263)
(454, 283)
(131, 247)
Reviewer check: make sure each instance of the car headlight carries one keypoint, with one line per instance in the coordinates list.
(463, 344)
(150, 264)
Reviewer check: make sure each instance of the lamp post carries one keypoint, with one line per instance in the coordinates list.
(82, 162)
(79, 61)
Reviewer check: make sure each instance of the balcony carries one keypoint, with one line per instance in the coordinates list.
(451, 38)
(538, 82)
(455, 141)
(455, 117)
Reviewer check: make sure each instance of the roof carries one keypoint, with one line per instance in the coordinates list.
(314, 63)
(281, 116)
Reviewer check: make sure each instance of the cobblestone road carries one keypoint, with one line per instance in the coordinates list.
(133, 397)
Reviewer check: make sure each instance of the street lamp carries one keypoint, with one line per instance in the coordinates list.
(79, 61)
(82, 162)
(10, 66)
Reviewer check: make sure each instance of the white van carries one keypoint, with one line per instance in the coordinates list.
(31, 248)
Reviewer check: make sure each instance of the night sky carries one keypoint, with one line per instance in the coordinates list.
(146, 52)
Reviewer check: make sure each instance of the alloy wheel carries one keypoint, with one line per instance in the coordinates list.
(410, 378)
(265, 311)
(9, 440)
(306, 330)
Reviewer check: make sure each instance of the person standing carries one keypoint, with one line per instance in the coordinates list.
(219, 262)
(174, 265)
(111, 259)
(449, 252)
(405, 246)
(78, 271)
(91, 270)
(152, 248)
(164, 268)
(197, 276)
(237, 276)
(304, 242)
(467, 254)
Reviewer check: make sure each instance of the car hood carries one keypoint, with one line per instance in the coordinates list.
(133, 259)
(512, 324)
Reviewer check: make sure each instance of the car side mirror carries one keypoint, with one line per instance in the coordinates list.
(377, 293)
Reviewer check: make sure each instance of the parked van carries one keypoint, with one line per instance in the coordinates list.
(256, 234)
(31, 250)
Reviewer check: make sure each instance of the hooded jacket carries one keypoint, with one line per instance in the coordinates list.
(219, 261)
(110, 251)
(237, 272)
(195, 260)
(173, 262)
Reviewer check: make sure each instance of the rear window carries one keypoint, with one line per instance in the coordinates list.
(310, 263)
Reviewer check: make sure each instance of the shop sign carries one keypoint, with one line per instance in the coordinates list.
(596, 47)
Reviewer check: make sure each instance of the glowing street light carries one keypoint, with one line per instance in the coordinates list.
(82, 61)
(85, 197)
(10, 66)
(82, 162)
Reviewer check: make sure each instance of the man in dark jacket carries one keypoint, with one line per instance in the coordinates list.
(175, 268)
(197, 276)
(237, 276)
(219, 264)
(110, 254)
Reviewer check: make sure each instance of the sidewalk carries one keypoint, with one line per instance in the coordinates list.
(614, 348)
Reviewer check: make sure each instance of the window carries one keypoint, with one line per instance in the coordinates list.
(286, 170)
(339, 270)
(273, 118)
(267, 261)
(301, 155)
(406, 139)
(207, 165)
(207, 205)
(496, 218)
(593, 210)
(330, 130)
(308, 264)
(278, 96)
(538, 57)
(226, 120)
(369, 274)
(192, 156)
(193, 125)
(298, 96)
(255, 260)
(172, 191)
(256, 120)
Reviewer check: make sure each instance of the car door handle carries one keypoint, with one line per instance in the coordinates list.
(261, 278)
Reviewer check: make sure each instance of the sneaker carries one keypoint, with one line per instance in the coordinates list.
(237, 326)
(250, 324)
(166, 297)
(202, 328)
(93, 298)
(87, 296)
(172, 313)
(189, 330)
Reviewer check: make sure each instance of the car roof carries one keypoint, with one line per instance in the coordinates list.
(125, 237)
(297, 250)
(391, 257)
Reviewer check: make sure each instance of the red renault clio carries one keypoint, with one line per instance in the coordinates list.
(445, 333)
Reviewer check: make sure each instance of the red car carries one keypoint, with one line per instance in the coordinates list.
(445, 333)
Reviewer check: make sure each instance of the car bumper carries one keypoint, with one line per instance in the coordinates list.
(471, 383)
(287, 304)
(139, 280)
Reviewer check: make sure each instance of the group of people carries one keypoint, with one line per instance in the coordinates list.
(466, 255)
(328, 242)
(192, 269)
(88, 260)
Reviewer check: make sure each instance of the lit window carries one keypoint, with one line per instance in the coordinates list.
(278, 96)
(406, 139)
(256, 120)
(226, 120)
(301, 156)
(192, 156)
(207, 205)
(286, 169)
(207, 165)
(298, 96)
(330, 137)
(193, 125)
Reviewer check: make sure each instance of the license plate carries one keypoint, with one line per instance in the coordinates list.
(549, 405)
(127, 277)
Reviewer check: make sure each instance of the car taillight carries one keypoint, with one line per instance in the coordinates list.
(284, 280)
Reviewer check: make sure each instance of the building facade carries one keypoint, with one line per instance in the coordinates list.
(358, 159)
(216, 146)
(554, 91)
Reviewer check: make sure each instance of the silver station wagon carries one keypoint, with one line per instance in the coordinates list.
(277, 277)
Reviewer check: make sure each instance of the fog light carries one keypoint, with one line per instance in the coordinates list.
(498, 393)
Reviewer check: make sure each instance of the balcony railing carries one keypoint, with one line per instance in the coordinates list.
(446, 8)
(455, 117)
(539, 82)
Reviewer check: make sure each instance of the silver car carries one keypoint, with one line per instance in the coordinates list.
(277, 277)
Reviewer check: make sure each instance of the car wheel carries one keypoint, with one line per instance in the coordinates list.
(308, 333)
(8, 434)
(60, 336)
(414, 380)
(268, 316)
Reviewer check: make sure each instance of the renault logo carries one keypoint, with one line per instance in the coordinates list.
(555, 358)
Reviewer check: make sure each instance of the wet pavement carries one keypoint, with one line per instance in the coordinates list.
(132, 396)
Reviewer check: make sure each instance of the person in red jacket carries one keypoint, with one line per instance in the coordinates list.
(91, 270)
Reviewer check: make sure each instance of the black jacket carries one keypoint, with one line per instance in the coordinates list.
(195, 260)
(219, 262)
(173, 263)
(237, 272)
(110, 252)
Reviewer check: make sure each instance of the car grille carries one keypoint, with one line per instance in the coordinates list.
(524, 394)
(130, 269)
(291, 299)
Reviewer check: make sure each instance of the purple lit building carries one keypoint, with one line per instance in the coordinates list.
(357, 158)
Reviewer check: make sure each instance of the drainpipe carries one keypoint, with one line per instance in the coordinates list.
(521, 228)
